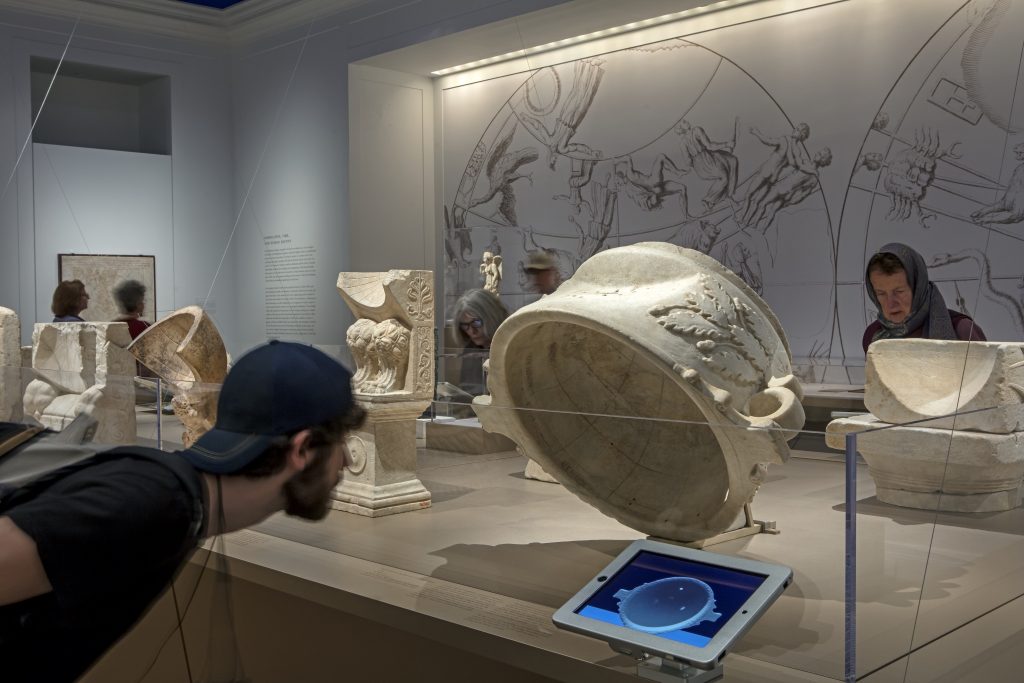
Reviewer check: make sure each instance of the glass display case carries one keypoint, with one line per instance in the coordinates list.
(242, 180)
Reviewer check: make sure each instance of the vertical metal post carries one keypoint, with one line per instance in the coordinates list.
(850, 664)
(159, 414)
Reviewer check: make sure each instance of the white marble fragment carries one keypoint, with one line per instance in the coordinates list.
(392, 340)
(921, 467)
(10, 366)
(83, 368)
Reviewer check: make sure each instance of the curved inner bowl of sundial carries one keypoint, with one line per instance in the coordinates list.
(933, 379)
(366, 289)
(613, 426)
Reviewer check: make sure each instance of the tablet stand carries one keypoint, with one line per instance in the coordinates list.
(667, 671)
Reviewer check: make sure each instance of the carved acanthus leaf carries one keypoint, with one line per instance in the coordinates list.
(723, 329)
(421, 299)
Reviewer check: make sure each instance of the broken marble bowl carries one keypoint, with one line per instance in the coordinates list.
(183, 348)
(654, 384)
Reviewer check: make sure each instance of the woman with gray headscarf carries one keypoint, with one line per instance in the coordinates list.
(909, 305)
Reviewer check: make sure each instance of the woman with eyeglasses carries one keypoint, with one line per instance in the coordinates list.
(475, 318)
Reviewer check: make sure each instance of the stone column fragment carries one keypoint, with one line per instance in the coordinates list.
(10, 366)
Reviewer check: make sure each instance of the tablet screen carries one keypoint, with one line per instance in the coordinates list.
(673, 598)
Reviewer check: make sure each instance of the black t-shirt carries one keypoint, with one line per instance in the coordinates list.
(111, 537)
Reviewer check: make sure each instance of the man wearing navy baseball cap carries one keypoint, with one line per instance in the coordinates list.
(84, 552)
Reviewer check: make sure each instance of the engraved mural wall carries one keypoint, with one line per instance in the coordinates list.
(778, 157)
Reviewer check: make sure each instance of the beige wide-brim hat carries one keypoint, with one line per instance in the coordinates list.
(540, 260)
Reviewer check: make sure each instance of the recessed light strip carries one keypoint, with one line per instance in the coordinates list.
(603, 33)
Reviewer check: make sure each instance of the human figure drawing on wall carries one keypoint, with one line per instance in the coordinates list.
(586, 79)
(710, 160)
(788, 154)
(649, 190)
(790, 189)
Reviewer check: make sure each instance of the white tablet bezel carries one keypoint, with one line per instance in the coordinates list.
(638, 643)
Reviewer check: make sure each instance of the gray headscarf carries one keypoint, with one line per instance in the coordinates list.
(927, 308)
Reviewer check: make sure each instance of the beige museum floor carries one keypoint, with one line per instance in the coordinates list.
(499, 553)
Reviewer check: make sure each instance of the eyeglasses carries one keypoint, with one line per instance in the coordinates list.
(475, 323)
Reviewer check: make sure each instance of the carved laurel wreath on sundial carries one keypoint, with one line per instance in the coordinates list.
(723, 329)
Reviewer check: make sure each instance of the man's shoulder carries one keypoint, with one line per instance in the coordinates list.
(139, 470)
(145, 459)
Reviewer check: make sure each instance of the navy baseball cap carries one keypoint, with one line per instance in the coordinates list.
(273, 390)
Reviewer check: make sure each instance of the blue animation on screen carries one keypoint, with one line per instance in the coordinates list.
(731, 588)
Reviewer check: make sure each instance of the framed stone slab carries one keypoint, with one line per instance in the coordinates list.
(101, 273)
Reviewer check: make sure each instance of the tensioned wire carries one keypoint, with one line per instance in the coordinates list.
(42, 105)
(259, 166)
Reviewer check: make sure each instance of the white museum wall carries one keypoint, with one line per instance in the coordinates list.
(298, 137)
(391, 118)
(836, 67)
(200, 166)
(288, 193)
(97, 201)
(10, 243)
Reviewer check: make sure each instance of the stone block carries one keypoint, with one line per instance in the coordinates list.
(10, 366)
(951, 470)
(83, 368)
(917, 379)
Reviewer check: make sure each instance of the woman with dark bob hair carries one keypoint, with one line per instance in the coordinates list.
(69, 300)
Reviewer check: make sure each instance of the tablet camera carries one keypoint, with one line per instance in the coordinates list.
(667, 605)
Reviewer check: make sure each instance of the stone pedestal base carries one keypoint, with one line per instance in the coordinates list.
(378, 501)
(929, 469)
(952, 502)
(382, 477)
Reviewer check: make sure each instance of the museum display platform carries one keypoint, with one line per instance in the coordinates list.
(485, 567)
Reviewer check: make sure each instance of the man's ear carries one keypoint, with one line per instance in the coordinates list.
(299, 451)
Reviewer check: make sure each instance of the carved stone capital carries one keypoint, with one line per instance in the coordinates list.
(392, 340)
